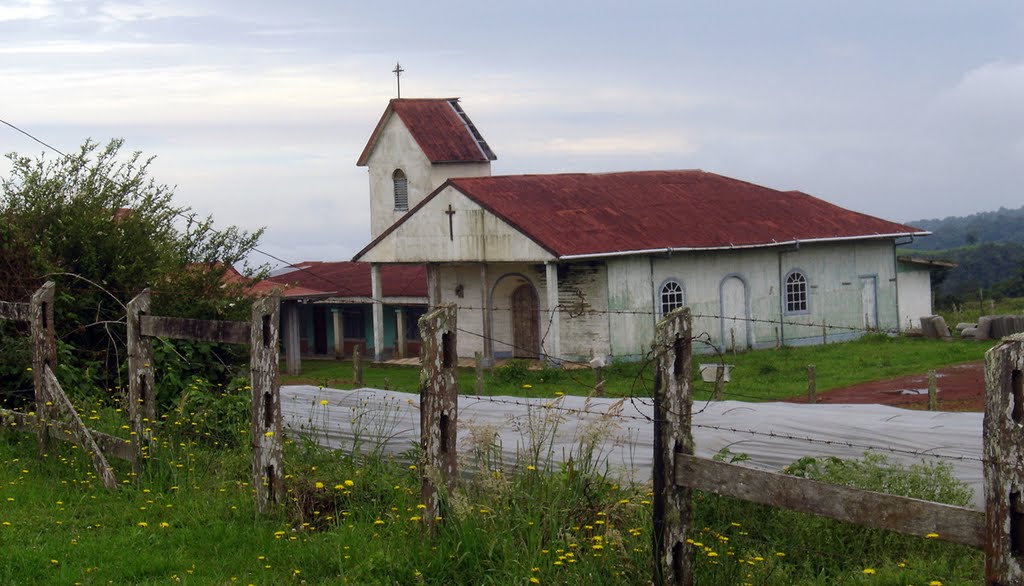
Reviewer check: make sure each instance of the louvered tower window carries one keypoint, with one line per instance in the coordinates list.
(401, 190)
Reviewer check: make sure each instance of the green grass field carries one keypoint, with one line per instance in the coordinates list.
(350, 518)
(762, 375)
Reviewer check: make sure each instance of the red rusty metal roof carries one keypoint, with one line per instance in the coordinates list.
(438, 126)
(603, 213)
(351, 279)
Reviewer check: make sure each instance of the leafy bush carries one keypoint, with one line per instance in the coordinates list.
(927, 481)
(98, 225)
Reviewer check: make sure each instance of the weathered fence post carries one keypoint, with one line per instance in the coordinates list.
(933, 391)
(1004, 462)
(357, 365)
(812, 384)
(44, 353)
(141, 399)
(478, 361)
(719, 382)
(264, 356)
(673, 560)
(439, 403)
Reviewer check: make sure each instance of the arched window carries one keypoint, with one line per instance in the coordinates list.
(671, 296)
(401, 190)
(796, 292)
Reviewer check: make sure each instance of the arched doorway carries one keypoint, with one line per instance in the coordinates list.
(735, 314)
(525, 322)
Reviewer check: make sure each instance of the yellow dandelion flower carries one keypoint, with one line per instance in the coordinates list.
(269, 434)
(527, 386)
(143, 524)
(935, 583)
(712, 554)
(531, 468)
(869, 571)
(378, 522)
(349, 483)
(932, 536)
(319, 485)
(534, 580)
(325, 402)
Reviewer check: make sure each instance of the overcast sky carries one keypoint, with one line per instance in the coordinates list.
(257, 111)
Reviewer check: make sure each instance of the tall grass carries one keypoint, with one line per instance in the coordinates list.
(350, 518)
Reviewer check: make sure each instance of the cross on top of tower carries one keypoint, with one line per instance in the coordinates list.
(398, 76)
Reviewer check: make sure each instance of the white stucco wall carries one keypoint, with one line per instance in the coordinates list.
(476, 236)
(915, 296)
(397, 149)
(836, 273)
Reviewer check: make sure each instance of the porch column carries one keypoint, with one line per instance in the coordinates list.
(400, 332)
(554, 337)
(378, 313)
(433, 285)
(339, 332)
(485, 310)
(292, 345)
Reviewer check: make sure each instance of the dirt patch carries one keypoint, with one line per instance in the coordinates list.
(961, 387)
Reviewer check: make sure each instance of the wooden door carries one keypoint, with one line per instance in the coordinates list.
(525, 323)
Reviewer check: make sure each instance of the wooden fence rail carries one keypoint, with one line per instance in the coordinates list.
(55, 417)
(999, 531)
(261, 333)
(50, 400)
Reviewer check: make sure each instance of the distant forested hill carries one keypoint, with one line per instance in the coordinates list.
(997, 268)
(988, 247)
(1004, 225)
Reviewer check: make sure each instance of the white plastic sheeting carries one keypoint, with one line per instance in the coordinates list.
(619, 433)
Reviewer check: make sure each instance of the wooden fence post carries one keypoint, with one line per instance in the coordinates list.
(357, 365)
(673, 558)
(812, 384)
(933, 391)
(141, 387)
(1004, 462)
(439, 405)
(719, 382)
(267, 457)
(44, 353)
(478, 361)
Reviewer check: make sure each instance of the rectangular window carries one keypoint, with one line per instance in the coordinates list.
(354, 323)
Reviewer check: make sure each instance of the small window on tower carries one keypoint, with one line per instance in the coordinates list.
(401, 190)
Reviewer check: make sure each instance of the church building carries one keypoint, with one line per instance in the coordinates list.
(575, 265)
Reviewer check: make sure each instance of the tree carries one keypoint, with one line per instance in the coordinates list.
(97, 224)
